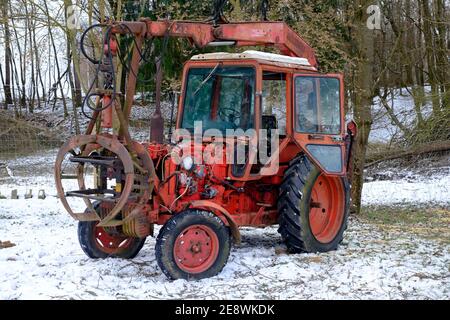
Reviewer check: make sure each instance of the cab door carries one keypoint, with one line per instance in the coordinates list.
(318, 120)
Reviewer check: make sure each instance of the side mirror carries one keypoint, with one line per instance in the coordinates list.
(352, 128)
(352, 132)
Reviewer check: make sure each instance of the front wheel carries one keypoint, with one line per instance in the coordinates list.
(313, 208)
(193, 244)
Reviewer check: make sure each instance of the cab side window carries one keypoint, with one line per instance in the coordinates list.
(274, 102)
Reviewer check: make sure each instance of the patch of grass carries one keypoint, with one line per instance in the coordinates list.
(428, 222)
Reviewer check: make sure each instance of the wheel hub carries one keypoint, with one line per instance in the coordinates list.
(326, 208)
(196, 248)
(110, 243)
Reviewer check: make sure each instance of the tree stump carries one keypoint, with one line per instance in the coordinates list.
(14, 194)
(29, 194)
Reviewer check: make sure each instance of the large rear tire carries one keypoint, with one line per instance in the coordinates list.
(313, 208)
(193, 245)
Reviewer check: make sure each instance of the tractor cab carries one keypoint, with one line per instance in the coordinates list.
(230, 93)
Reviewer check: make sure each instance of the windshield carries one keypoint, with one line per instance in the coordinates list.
(220, 97)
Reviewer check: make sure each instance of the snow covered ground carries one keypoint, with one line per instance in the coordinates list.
(411, 189)
(372, 263)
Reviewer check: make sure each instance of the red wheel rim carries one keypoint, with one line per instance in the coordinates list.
(196, 249)
(110, 244)
(327, 208)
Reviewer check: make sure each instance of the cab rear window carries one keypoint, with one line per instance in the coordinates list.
(317, 105)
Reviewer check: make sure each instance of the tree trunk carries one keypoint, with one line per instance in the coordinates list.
(363, 49)
(20, 78)
(28, 26)
(429, 50)
(442, 52)
(58, 70)
(77, 99)
(15, 75)
(38, 67)
(7, 76)
(74, 79)
(409, 43)
(2, 78)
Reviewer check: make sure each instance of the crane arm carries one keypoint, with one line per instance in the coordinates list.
(202, 34)
(277, 34)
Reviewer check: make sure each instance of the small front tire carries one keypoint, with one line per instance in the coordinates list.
(193, 245)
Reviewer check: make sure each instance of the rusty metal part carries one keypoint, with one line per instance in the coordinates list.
(151, 180)
(277, 34)
(131, 82)
(147, 163)
(86, 150)
(135, 221)
(107, 113)
(93, 120)
(110, 144)
(124, 132)
(138, 226)
(157, 122)
(205, 204)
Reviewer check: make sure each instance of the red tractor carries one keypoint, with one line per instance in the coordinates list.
(208, 180)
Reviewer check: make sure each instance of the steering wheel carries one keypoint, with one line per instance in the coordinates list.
(227, 113)
(306, 125)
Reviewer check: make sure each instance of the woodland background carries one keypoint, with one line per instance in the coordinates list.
(41, 68)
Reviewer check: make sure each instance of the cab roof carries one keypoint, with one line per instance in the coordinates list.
(262, 57)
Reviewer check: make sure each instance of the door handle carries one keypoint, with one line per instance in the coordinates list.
(315, 137)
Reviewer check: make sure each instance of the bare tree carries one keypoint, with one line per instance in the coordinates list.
(6, 78)
(58, 83)
(362, 48)
(73, 58)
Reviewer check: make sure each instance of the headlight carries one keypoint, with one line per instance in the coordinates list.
(187, 163)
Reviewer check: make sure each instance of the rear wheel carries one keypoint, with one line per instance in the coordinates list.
(100, 243)
(313, 208)
(193, 244)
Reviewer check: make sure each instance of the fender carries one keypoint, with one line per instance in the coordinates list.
(215, 207)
